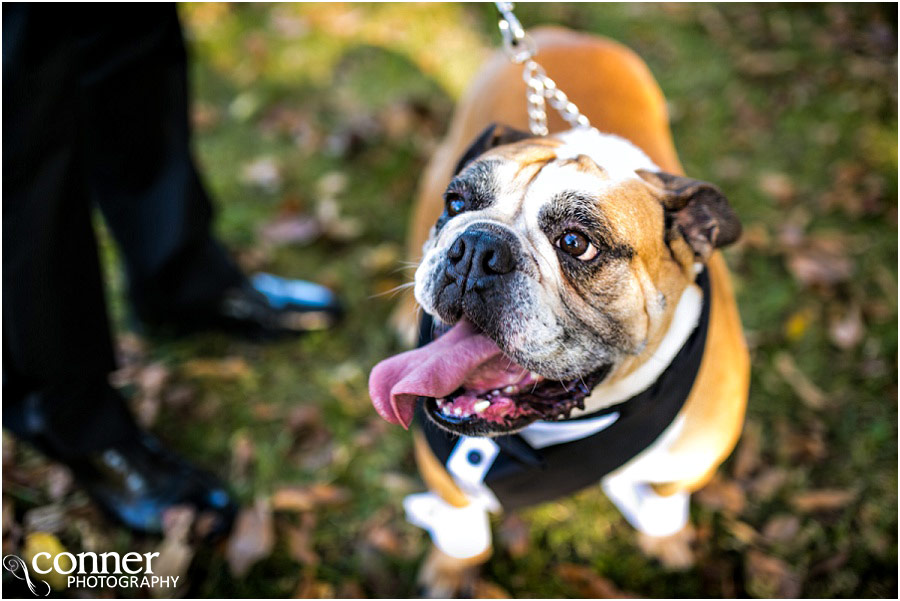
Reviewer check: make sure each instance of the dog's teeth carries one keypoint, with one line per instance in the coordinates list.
(457, 411)
(510, 390)
(481, 406)
(440, 402)
(536, 376)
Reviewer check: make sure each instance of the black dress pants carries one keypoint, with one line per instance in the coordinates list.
(95, 111)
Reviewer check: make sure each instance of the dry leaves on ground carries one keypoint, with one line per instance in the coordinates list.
(820, 261)
(252, 538)
(306, 498)
(175, 552)
(299, 540)
(264, 173)
(805, 389)
(723, 495)
(513, 534)
(229, 368)
(822, 500)
(768, 576)
(291, 228)
(781, 528)
(589, 584)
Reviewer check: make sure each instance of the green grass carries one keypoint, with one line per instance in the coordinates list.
(753, 89)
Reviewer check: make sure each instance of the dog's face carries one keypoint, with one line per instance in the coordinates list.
(569, 253)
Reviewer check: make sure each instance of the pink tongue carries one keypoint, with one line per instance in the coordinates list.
(435, 370)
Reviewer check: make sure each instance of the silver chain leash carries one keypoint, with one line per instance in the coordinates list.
(520, 48)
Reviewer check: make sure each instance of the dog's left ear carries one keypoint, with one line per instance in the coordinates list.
(493, 135)
(697, 209)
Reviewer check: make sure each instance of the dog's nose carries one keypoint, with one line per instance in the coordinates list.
(479, 256)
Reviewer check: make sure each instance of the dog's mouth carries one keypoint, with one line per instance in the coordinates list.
(471, 387)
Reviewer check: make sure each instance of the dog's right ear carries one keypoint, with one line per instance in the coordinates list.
(493, 135)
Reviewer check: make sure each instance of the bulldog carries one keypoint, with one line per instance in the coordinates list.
(578, 324)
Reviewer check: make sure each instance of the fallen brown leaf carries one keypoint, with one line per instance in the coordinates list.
(331, 184)
(350, 589)
(822, 500)
(723, 495)
(59, 482)
(303, 417)
(384, 539)
(309, 431)
(251, 539)
(49, 518)
(265, 411)
(778, 186)
(293, 499)
(262, 173)
(781, 528)
(482, 589)
(328, 494)
(305, 498)
(742, 531)
(204, 116)
(811, 395)
(806, 446)
(291, 229)
(588, 583)
(229, 368)
(770, 577)
(299, 541)
(820, 262)
(513, 534)
(179, 396)
(334, 225)
(764, 63)
(175, 553)
(764, 486)
(243, 454)
(152, 378)
(829, 565)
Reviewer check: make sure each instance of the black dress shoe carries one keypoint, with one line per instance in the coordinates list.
(123, 468)
(138, 480)
(265, 307)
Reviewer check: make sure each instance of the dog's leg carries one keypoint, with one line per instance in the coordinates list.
(444, 577)
(662, 522)
(458, 524)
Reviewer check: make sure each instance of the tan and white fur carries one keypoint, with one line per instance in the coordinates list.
(616, 91)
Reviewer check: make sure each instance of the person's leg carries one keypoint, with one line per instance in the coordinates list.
(142, 174)
(55, 331)
(56, 337)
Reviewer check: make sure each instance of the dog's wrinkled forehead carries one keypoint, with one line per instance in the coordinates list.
(524, 176)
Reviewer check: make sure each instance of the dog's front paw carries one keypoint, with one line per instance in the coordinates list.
(445, 577)
(674, 551)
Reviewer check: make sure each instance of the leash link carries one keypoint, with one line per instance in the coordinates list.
(521, 48)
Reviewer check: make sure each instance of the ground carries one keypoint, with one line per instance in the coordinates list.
(313, 123)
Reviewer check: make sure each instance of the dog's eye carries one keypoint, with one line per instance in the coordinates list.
(455, 203)
(577, 245)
